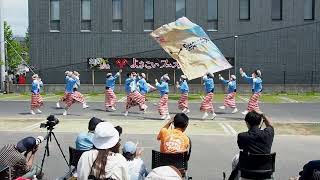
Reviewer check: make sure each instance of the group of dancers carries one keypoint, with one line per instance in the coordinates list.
(136, 88)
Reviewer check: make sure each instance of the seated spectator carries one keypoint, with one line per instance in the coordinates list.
(22, 164)
(84, 140)
(311, 171)
(174, 140)
(255, 140)
(137, 169)
(104, 160)
(164, 173)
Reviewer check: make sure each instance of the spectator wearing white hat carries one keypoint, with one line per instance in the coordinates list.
(207, 103)
(230, 98)
(104, 160)
(164, 173)
(163, 88)
(182, 85)
(137, 168)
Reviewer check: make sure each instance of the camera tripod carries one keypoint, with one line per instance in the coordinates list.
(46, 150)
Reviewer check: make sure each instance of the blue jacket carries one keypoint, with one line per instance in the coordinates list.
(256, 83)
(208, 84)
(70, 82)
(143, 86)
(184, 88)
(110, 81)
(163, 88)
(127, 86)
(35, 86)
(232, 85)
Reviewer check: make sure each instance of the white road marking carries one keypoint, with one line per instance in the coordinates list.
(226, 130)
(231, 129)
(243, 98)
(288, 99)
(122, 99)
(33, 126)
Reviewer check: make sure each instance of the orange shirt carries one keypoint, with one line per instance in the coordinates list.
(173, 141)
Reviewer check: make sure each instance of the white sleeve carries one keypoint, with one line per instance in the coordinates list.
(83, 168)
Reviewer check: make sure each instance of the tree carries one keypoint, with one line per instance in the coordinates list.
(13, 48)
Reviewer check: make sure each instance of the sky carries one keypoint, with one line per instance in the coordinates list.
(16, 14)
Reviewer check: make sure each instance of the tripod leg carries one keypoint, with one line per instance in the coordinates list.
(46, 152)
(55, 138)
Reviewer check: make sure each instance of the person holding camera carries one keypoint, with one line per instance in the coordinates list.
(20, 158)
(256, 140)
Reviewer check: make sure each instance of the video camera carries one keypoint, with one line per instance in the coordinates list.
(51, 122)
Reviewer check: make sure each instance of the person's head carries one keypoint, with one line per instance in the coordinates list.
(233, 78)
(26, 144)
(129, 150)
(106, 139)
(210, 75)
(109, 75)
(165, 78)
(70, 74)
(253, 119)
(181, 121)
(76, 73)
(133, 74)
(93, 123)
(143, 75)
(183, 78)
(35, 76)
(119, 129)
(256, 73)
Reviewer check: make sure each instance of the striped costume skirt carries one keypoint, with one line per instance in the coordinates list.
(254, 102)
(110, 98)
(68, 99)
(230, 100)
(135, 99)
(163, 105)
(183, 101)
(77, 96)
(207, 103)
(36, 101)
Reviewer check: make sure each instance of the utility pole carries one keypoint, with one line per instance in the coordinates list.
(2, 42)
(235, 54)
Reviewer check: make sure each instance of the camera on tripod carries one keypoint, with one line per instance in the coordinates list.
(51, 122)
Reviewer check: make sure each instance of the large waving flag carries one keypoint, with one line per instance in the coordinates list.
(187, 43)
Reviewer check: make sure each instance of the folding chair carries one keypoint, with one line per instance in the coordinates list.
(74, 156)
(178, 160)
(5, 172)
(257, 166)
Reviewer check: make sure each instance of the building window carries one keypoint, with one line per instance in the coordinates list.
(117, 15)
(308, 9)
(180, 8)
(148, 14)
(244, 9)
(86, 15)
(55, 15)
(276, 9)
(212, 15)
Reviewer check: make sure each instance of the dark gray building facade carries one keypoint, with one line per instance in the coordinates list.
(281, 37)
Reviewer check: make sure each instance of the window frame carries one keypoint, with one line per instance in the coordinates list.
(54, 20)
(121, 8)
(185, 9)
(313, 11)
(217, 12)
(249, 9)
(144, 10)
(281, 10)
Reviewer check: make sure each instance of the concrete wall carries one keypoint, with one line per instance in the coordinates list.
(287, 50)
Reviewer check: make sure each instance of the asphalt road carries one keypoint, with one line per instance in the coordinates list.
(286, 112)
(211, 155)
